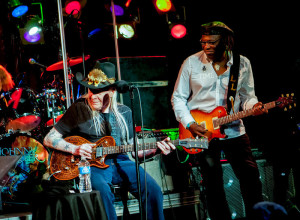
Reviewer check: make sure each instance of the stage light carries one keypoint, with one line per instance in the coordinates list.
(32, 38)
(126, 31)
(94, 32)
(163, 6)
(72, 6)
(18, 9)
(178, 31)
(127, 3)
(119, 11)
(33, 31)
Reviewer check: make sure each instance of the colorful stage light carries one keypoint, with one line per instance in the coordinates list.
(73, 7)
(178, 31)
(33, 31)
(126, 31)
(32, 38)
(94, 32)
(163, 5)
(119, 11)
(18, 9)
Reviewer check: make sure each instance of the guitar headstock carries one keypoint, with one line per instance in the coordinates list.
(287, 101)
(201, 143)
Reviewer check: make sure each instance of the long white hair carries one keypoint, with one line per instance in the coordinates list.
(98, 122)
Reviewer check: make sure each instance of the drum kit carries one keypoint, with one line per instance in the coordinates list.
(25, 118)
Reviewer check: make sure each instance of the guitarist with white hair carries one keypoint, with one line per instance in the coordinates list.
(98, 115)
(211, 81)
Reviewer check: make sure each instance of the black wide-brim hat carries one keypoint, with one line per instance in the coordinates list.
(101, 78)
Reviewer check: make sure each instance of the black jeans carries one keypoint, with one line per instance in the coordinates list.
(239, 155)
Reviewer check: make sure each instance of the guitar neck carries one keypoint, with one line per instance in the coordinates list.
(130, 147)
(242, 114)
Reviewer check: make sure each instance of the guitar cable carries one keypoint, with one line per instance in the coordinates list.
(185, 160)
(143, 144)
(163, 177)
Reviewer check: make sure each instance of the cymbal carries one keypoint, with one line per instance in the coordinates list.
(71, 62)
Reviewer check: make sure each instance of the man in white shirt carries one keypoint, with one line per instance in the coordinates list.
(202, 84)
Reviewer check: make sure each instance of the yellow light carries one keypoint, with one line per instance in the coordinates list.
(164, 5)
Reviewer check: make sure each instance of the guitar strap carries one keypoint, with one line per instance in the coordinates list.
(233, 81)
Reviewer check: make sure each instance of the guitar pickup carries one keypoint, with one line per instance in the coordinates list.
(215, 122)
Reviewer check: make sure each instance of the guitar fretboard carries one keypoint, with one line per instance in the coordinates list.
(127, 148)
(242, 114)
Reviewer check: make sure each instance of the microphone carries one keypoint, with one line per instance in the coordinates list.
(33, 61)
(123, 86)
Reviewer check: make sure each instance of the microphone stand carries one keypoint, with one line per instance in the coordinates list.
(136, 153)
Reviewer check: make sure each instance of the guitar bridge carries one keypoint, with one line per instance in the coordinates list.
(203, 124)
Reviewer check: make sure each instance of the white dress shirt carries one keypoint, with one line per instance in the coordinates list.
(199, 87)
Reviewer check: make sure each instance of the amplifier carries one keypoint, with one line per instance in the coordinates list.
(232, 186)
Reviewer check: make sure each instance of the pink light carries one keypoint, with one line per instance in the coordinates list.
(178, 31)
(73, 6)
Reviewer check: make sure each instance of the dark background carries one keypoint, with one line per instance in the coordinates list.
(265, 33)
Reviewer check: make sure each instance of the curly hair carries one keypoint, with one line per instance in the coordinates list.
(6, 82)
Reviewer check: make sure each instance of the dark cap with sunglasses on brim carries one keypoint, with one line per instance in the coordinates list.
(215, 28)
(101, 78)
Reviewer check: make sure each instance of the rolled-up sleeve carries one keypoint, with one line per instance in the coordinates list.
(181, 94)
(247, 91)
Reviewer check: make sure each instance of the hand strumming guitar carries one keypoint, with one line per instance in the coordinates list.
(197, 130)
(84, 150)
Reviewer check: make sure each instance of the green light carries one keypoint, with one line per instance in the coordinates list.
(164, 5)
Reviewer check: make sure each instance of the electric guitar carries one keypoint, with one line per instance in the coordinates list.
(215, 119)
(64, 166)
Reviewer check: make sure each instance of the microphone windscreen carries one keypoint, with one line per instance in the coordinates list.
(122, 86)
(32, 61)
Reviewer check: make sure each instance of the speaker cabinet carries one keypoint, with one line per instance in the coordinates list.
(232, 187)
(233, 192)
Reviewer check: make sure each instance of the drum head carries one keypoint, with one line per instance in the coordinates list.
(23, 108)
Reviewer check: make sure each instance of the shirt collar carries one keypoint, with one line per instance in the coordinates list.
(203, 58)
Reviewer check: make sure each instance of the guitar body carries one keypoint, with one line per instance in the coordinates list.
(67, 163)
(212, 121)
(206, 120)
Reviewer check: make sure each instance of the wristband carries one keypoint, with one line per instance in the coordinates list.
(189, 125)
